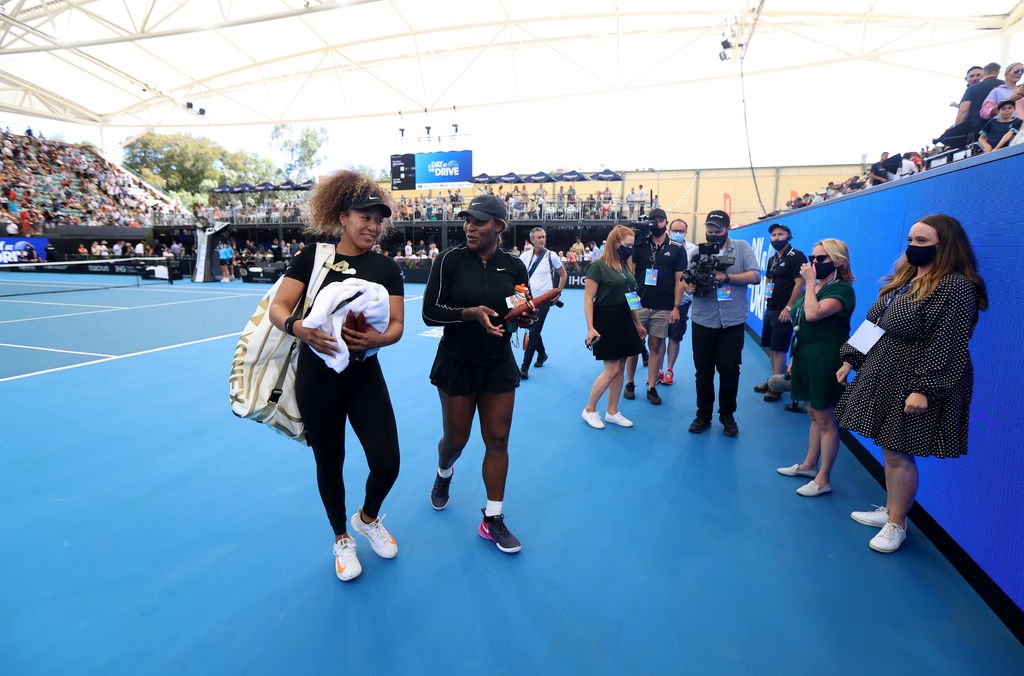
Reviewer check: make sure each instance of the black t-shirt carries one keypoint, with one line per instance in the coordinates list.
(878, 169)
(976, 94)
(668, 259)
(783, 273)
(371, 266)
(460, 279)
(275, 250)
(994, 130)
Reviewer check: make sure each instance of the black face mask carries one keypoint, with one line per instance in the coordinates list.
(780, 244)
(656, 231)
(823, 270)
(717, 239)
(625, 252)
(921, 255)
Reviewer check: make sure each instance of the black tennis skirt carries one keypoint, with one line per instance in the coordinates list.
(619, 338)
(458, 379)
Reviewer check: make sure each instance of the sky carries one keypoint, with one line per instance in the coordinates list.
(836, 114)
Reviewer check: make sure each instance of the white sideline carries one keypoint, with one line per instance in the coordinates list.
(50, 349)
(44, 302)
(119, 309)
(120, 356)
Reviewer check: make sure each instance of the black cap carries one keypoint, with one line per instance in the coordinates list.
(485, 207)
(366, 201)
(658, 213)
(718, 219)
(781, 227)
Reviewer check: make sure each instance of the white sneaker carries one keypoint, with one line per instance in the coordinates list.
(811, 489)
(346, 563)
(877, 518)
(380, 539)
(795, 470)
(592, 418)
(888, 539)
(618, 419)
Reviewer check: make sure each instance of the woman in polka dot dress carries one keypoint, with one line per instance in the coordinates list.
(912, 393)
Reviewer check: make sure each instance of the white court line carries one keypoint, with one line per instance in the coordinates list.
(413, 298)
(50, 349)
(43, 302)
(121, 356)
(136, 307)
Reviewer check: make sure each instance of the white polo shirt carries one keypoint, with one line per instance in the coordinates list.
(540, 280)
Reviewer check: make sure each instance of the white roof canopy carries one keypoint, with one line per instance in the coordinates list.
(137, 63)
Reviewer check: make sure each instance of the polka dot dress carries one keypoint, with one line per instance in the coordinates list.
(924, 350)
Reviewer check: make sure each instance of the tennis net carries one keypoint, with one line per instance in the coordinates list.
(28, 279)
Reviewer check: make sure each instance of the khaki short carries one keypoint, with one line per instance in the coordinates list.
(655, 321)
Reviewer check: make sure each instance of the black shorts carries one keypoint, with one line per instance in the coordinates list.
(677, 330)
(459, 379)
(776, 335)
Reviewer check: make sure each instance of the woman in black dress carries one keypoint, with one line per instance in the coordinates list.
(912, 393)
(353, 210)
(614, 331)
(469, 290)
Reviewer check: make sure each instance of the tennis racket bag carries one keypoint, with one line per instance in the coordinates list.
(261, 385)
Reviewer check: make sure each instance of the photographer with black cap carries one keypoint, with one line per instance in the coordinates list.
(783, 287)
(719, 315)
(658, 266)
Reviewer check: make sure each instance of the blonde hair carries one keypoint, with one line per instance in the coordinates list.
(840, 255)
(1006, 72)
(610, 255)
(324, 208)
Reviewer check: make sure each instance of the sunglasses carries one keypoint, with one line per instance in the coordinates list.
(817, 259)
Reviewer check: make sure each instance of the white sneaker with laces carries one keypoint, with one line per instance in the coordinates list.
(877, 518)
(795, 470)
(380, 539)
(346, 563)
(618, 419)
(888, 539)
(592, 418)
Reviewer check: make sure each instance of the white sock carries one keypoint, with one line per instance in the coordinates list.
(493, 508)
(445, 473)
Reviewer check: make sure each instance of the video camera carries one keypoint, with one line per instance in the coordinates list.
(701, 273)
(642, 227)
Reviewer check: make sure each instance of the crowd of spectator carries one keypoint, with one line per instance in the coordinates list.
(47, 182)
(266, 210)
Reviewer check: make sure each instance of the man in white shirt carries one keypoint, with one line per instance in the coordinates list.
(140, 249)
(541, 265)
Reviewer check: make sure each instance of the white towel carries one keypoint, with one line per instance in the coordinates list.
(373, 302)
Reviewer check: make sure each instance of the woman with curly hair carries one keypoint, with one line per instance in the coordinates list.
(352, 210)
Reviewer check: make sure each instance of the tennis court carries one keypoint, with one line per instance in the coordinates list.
(145, 529)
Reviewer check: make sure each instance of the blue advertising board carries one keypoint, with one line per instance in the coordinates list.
(452, 169)
(22, 249)
(976, 498)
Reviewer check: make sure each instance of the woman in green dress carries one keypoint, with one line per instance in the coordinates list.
(821, 321)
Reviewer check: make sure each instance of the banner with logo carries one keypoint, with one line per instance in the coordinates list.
(22, 249)
(451, 169)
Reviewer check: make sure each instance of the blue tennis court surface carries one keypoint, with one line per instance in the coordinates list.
(146, 530)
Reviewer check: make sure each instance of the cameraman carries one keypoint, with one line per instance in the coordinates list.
(784, 287)
(658, 265)
(719, 314)
(542, 266)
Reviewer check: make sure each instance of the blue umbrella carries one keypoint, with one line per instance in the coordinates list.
(540, 177)
(573, 176)
(222, 188)
(511, 177)
(483, 178)
(307, 185)
(607, 175)
(244, 187)
(266, 187)
(289, 185)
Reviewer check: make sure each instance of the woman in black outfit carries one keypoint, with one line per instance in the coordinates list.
(912, 393)
(352, 209)
(474, 370)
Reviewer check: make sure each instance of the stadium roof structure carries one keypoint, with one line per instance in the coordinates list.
(201, 63)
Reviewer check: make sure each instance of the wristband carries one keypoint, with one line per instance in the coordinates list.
(288, 326)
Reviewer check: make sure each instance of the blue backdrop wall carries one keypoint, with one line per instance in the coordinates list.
(978, 498)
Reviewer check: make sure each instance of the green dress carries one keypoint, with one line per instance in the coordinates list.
(816, 355)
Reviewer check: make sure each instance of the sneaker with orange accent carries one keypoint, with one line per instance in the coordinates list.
(346, 563)
(667, 378)
(380, 539)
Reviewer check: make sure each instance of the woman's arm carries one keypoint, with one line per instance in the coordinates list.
(370, 338)
(816, 310)
(291, 293)
(435, 310)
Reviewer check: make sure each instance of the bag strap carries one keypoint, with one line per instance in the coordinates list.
(536, 261)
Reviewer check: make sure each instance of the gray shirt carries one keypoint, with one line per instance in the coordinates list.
(712, 313)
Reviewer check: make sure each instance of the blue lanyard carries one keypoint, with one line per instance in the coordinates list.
(899, 292)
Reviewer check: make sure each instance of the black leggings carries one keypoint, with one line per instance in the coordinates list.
(325, 399)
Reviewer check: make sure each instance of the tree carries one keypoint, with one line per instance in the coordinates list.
(303, 149)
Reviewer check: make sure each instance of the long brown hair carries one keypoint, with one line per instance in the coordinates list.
(953, 254)
(325, 206)
(610, 255)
